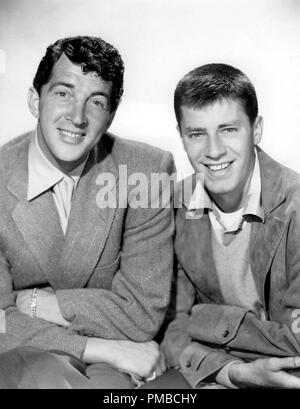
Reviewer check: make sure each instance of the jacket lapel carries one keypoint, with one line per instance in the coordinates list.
(266, 236)
(89, 223)
(194, 252)
(37, 220)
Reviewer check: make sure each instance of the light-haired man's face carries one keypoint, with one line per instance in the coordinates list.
(219, 140)
(73, 112)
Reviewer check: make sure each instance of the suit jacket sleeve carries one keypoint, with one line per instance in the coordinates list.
(135, 306)
(18, 329)
(196, 360)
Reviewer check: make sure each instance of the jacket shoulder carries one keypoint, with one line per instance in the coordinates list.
(290, 180)
(20, 142)
(13, 150)
(278, 181)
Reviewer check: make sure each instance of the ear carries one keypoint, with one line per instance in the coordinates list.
(33, 101)
(181, 137)
(258, 129)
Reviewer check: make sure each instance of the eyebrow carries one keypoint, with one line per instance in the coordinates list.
(224, 125)
(71, 86)
(197, 129)
(59, 83)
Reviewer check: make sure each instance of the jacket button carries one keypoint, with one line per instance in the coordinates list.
(225, 333)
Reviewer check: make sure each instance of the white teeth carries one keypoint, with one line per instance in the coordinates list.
(222, 166)
(71, 134)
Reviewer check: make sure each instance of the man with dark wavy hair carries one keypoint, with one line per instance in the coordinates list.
(89, 282)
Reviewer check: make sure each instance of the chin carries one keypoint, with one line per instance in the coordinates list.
(218, 188)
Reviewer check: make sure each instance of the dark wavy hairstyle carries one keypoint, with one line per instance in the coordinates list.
(212, 82)
(93, 54)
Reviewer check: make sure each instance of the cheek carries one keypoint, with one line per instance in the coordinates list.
(242, 146)
(50, 113)
(194, 151)
(97, 122)
(247, 153)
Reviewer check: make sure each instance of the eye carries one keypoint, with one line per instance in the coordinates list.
(62, 94)
(230, 130)
(99, 103)
(195, 135)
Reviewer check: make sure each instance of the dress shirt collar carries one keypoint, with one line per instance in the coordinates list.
(42, 175)
(200, 199)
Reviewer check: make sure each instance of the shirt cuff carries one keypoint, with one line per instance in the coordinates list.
(223, 375)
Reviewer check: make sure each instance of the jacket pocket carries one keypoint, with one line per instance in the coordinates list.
(216, 324)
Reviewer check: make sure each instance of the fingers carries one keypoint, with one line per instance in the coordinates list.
(136, 379)
(277, 364)
(285, 381)
(161, 365)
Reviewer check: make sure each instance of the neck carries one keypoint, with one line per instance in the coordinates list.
(228, 203)
(67, 167)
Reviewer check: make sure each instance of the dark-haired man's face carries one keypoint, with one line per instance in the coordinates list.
(219, 140)
(73, 111)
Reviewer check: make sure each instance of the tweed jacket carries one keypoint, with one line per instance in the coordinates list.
(111, 271)
(206, 333)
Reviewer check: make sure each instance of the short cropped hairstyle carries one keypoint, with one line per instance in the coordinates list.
(93, 54)
(212, 82)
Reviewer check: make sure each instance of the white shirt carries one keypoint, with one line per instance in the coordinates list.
(43, 175)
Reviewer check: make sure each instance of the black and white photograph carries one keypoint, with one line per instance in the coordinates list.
(149, 197)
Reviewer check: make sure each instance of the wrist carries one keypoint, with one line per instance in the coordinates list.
(98, 350)
(236, 373)
(223, 376)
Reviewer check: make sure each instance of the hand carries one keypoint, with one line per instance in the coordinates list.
(266, 373)
(139, 359)
(161, 365)
(47, 306)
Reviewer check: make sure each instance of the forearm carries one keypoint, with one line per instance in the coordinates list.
(135, 305)
(241, 330)
(105, 314)
(176, 338)
(138, 359)
(23, 330)
(98, 350)
(175, 341)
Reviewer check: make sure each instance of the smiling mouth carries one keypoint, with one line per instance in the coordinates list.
(73, 135)
(219, 167)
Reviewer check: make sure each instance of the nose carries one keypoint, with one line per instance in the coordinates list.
(77, 115)
(215, 147)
